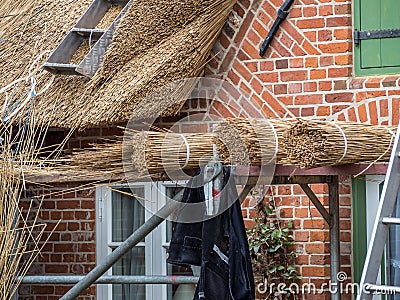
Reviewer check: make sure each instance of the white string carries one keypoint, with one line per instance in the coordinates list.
(31, 94)
(276, 141)
(187, 150)
(344, 139)
(383, 154)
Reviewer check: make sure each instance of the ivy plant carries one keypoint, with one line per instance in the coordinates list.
(273, 258)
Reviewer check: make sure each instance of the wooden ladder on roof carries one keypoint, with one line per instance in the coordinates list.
(85, 31)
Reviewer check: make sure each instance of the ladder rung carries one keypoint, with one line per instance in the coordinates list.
(388, 220)
(57, 68)
(382, 288)
(86, 32)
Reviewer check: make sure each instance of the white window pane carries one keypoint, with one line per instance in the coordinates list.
(133, 263)
(127, 214)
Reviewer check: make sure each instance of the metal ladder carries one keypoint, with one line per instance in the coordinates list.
(380, 233)
(85, 29)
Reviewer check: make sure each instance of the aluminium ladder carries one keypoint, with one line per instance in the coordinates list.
(384, 220)
(85, 29)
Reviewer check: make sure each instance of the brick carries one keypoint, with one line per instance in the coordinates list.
(294, 88)
(338, 21)
(362, 113)
(68, 204)
(266, 66)
(301, 213)
(319, 259)
(311, 23)
(319, 236)
(343, 9)
(310, 86)
(317, 74)
(390, 81)
(293, 76)
(244, 27)
(56, 268)
(317, 248)
(324, 35)
(286, 212)
(307, 111)
(242, 71)
(340, 85)
(373, 112)
(373, 82)
(282, 64)
(308, 99)
(325, 85)
(301, 236)
(296, 63)
(356, 83)
(339, 97)
(311, 62)
(342, 60)
(323, 111)
(336, 47)
(326, 61)
(268, 77)
(256, 85)
(339, 72)
(343, 34)
(309, 11)
(395, 111)
(325, 10)
(315, 224)
(280, 89)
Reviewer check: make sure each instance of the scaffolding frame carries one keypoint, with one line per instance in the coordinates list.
(246, 176)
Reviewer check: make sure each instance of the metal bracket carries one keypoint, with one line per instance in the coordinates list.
(375, 34)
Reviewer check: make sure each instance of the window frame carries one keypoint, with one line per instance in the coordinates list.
(154, 242)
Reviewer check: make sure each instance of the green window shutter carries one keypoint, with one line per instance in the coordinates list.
(377, 56)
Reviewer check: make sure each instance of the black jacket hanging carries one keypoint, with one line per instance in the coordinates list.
(219, 245)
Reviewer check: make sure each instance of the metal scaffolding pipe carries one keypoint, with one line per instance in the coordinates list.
(126, 246)
(334, 233)
(111, 279)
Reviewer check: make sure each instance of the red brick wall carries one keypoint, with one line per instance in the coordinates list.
(308, 69)
(71, 247)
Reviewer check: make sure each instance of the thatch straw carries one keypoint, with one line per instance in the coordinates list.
(157, 42)
(21, 151)
(142, 152)
(250, 141)
(109, 17)
(310, 144)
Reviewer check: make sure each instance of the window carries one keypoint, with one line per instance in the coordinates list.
(377, 56)
(119, 214)
(366, 192)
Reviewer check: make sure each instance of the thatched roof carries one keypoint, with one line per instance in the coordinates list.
(157, 42)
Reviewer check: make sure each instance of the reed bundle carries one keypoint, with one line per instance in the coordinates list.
(156, 152)
(250, 141)
(310, 144)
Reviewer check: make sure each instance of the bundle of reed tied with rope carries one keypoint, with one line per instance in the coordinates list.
(311, 143)
(250, 141)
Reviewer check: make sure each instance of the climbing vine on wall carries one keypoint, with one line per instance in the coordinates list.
(273, 258)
